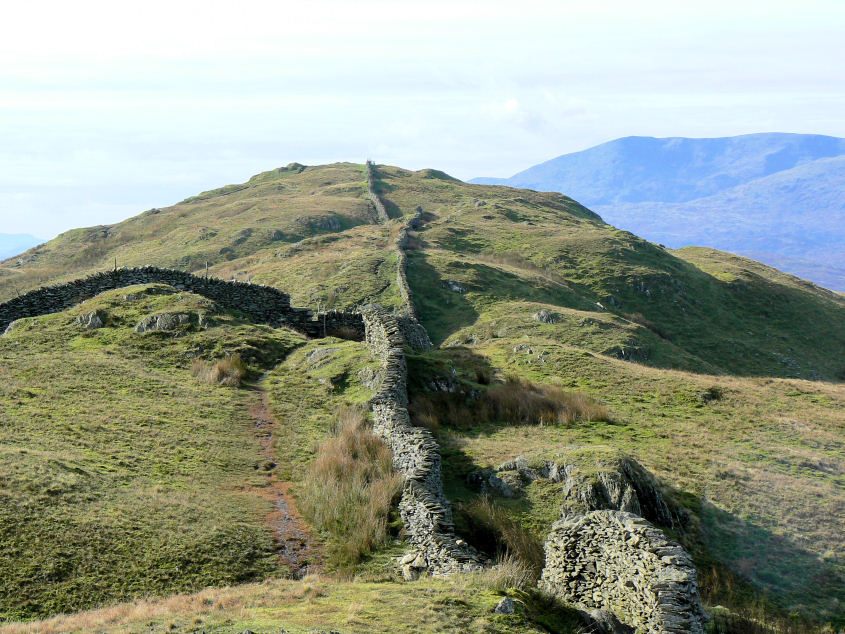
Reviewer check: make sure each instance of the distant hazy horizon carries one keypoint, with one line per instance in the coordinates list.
(108, 110)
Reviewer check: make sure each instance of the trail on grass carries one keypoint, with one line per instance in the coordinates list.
(298, 550)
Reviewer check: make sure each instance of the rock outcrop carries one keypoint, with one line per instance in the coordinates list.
(618, 561)
(592, 479)
(164, 322)
(92, 320)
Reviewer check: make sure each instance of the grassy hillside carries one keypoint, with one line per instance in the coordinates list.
(482, 250)
(759, 463)
(720, 375)
(284, 227)
(774, 197)
(121, 474)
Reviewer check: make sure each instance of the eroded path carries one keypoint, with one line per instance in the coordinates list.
(298, 550)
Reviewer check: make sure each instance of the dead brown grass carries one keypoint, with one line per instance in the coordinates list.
(516, 402)
(349, 491)
(228, 371)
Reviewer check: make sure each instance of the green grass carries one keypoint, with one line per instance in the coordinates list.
(121, 475)
(761, 469)
(305, 393)
(461, 604)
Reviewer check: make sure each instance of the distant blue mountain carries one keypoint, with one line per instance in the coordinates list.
(779, 198)
(16, 243)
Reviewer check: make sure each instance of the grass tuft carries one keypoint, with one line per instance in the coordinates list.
(350, 490)
(491, 529)
(229, 371)
(517, 401)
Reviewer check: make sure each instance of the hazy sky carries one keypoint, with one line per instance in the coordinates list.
(108, 108)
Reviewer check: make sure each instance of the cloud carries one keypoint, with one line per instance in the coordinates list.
(512, 113)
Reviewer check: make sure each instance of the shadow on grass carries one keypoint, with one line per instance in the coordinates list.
(442, 311)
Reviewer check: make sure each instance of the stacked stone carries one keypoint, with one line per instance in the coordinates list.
(425, 512)
(618, 561)
(414, 332)
(263, 304)
(381, 211)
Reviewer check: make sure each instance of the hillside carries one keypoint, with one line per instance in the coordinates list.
(796, 217)
(774, 197)
(713, 371)
(311, 232)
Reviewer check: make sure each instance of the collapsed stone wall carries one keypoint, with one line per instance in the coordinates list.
(425, 512)
(263, 304)
(618, 561)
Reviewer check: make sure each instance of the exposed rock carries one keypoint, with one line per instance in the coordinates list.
(371, 379)
(546, 317)
(92, 320)
(605, 622)
(592, 478)
(163, 322)
(454, 287)
(505, 606)
(11, 326)
(320, 354)
(617, 561)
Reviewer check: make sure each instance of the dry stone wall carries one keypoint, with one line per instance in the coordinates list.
(263, 304)
(424, 509)
(372, 196)
(413, 331)
(618, 561)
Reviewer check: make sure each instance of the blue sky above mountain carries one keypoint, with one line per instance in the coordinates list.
(108, 109)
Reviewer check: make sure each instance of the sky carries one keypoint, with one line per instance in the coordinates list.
(108, 109)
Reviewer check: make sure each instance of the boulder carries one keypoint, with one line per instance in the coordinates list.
(92, 320)
(546, 317)
(163, 322)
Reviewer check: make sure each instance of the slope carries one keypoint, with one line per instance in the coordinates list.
(796, 216)
(121, 474)
(312, 232)
(773, 197)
